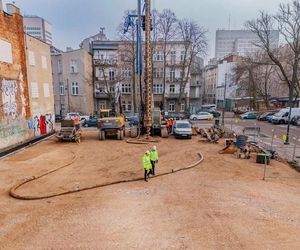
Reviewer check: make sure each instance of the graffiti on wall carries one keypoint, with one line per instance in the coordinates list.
(9, 91)
(41, 124)
(11, 130)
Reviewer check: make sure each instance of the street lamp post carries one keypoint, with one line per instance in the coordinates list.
(68, 95)
(224, 102)
(291, 95)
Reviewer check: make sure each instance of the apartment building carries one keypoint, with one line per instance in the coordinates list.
(39, 28)
(239, 42)
(114, 77)
(72, 82)
(39, 73)
(210, 83)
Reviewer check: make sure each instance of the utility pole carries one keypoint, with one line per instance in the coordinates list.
(68, 95)
(148, 66)
(224, 102)
(291, 96)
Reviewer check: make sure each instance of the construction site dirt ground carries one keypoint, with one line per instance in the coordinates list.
(223, 203)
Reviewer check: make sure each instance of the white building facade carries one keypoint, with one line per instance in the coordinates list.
(38, 28)
(239, 42)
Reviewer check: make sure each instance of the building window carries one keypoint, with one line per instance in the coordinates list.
(129, 106)
(111, 75)
(158, 72)
(46, 90)
(112, 89)
(61, 88)
(172, 88)
(31, 58)
(158, 56)
(126, 88)
(102, 105)
(182, 54)
(44, 62)
(75, 88)
(173, 57)
(172, 75)
(34, 90)
(59, 66)
(171, 106)
(157, 88)
(181, 74)
(73, 66)
(126, 72)
(182, 107)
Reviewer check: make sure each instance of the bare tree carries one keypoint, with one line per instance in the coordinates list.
(288, 22)
(195, 44)
(166, 32)
(255, 76)
(128, 52)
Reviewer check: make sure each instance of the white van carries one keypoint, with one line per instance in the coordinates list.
(282, 116)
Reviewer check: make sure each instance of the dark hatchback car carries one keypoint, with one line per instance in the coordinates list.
(296, 120)
(214, 112)
(264, 116)
(91, 122)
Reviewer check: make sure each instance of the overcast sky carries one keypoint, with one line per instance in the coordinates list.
(74, 20)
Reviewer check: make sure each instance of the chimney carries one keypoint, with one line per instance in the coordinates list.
(12, 9)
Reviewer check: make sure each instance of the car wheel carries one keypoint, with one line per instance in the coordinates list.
(281, 122)
(194, 118)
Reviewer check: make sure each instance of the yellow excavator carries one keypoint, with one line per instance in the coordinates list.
(111, 124)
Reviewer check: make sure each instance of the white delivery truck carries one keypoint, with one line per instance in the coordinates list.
(282, 116)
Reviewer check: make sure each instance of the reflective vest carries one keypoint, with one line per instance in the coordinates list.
(153, 155)
(146, 162)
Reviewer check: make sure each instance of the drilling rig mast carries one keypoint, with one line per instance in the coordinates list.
(148, 66)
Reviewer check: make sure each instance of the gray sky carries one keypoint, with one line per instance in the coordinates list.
(74, 20)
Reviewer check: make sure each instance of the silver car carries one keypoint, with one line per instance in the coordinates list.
(182, 129)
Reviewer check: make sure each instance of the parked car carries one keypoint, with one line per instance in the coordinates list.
(239, 111)
(175, 115)
(215, 113)
(249, 115)
(282, 116)
(72, 115)
(133, 120)
(91, 122)
(202, 116)
(58, 118)
(263, 117)
(296, 120)
(182, 129)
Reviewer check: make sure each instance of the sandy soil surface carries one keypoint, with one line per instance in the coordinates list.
(221, 204)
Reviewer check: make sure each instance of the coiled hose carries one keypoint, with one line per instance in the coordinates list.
(141, 140)
(13, 191)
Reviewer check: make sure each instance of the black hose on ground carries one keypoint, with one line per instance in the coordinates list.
(13, 191)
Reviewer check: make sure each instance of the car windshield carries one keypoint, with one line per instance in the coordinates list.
(183, 125)
(280, 114)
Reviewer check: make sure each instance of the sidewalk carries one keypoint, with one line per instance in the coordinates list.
(287, 152)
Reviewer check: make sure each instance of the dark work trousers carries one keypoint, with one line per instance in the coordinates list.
(153, 167)
(146, 174)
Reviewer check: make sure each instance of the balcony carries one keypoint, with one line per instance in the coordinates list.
(174, 64)
(101, 95)
(172, 95)
(194, 95)
(106, 62)
(173, 79)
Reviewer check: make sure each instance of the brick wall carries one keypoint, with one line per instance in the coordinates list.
(14, 99)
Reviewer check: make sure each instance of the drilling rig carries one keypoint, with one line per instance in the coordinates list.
(150, 118)
(148, 66)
